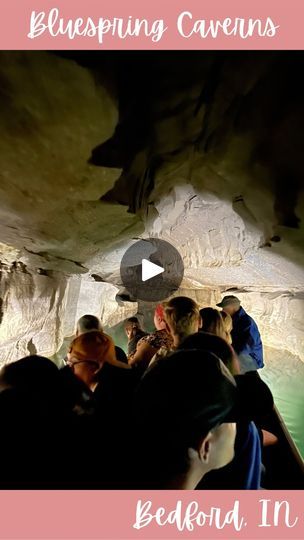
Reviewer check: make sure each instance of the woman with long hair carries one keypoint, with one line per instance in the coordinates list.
(212, 322)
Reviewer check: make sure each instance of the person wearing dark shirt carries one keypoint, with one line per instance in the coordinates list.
(184, 421)
(246, 338)
(121, 355)
(254, 402)
(112, 399)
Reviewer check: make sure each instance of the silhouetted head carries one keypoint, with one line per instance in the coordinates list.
(87, 323)
(183, 409)
(210, 342)
(35, 381)
(37, 425)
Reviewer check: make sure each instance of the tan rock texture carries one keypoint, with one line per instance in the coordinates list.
(97, 150)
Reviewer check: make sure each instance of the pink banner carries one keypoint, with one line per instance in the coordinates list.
(157, 24)
(154, 514)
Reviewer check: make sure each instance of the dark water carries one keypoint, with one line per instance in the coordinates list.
(284, 373)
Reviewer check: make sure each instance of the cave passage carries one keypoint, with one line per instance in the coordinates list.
(203, 150)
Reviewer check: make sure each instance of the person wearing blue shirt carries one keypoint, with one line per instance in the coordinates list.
(246, 338)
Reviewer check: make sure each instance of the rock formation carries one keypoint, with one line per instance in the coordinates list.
(98, 149)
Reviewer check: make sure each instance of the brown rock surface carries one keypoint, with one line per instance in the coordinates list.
(204, 150)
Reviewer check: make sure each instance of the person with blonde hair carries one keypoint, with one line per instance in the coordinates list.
(212, 322)
(182, 317)
(228, 325)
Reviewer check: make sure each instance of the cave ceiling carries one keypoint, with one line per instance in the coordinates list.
(203, 149)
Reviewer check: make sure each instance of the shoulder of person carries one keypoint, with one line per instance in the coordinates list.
(163, 352)
(244, 318)
(143, 339)
(147, 338)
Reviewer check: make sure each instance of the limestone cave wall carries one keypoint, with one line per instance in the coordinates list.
(98, 149)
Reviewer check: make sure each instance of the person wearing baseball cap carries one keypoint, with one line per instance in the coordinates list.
(184, 412)
(246, 338)
(255, 404)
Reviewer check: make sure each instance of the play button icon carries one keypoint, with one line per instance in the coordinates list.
(151, 270)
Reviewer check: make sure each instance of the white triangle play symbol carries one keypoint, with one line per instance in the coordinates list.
(150, 270)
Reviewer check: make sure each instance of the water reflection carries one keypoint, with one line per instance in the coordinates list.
(284, 373)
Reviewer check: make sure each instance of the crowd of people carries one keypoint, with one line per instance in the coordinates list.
(183, 409)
